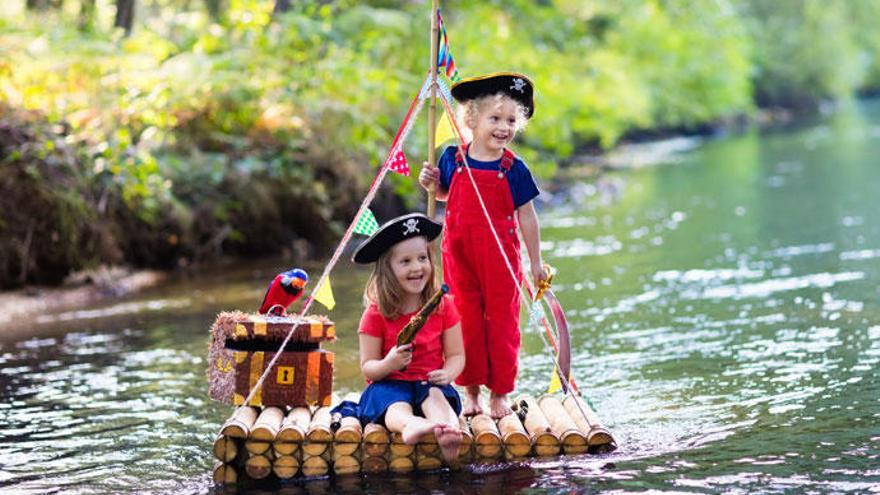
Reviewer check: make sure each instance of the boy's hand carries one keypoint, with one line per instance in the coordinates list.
(439, 377)
(430, 175)
(399, 357)
(538, 273)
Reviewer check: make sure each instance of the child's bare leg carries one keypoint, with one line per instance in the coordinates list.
(499, 405)
(448, 430)
(472, 405)
(400, 418)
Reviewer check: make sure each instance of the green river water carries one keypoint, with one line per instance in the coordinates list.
(724, 311)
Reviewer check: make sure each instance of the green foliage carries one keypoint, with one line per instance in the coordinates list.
(805, 51)
(240, 131)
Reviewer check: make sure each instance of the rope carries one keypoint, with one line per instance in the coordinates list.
(507, 263)
(404, 129)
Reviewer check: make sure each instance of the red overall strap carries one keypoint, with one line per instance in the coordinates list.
(507, 158)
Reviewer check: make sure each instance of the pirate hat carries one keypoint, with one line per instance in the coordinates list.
(516, 85)
(394, 231)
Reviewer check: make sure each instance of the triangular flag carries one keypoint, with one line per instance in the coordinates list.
(443, 132)
(555, 382)
(398, 163)
(325, 295)
(366, 224)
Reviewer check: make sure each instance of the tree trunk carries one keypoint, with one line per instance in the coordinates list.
(281, 6)
(86, 20)
(214, 8)
(124, 15)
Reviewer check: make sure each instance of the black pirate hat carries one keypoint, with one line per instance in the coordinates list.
(516, 85)
(394, 231)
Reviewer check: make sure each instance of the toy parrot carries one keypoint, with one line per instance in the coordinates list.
(284, 289)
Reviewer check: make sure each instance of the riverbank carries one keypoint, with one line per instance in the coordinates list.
(83, 289)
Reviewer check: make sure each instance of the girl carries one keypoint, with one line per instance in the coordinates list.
(410, 386)
(494, 108)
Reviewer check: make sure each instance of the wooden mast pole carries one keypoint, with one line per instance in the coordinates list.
(432, 107)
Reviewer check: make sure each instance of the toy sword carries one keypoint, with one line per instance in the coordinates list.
(408, 333)
(563, 349)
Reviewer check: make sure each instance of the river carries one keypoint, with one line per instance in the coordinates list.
(724, 309)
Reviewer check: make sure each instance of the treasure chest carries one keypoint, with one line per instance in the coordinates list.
(243, 345)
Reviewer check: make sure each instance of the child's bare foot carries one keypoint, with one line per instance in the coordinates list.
(499, 405)
(449, 438)
(472, 405)
(414, 430)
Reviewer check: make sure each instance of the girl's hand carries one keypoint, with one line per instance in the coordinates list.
(399, 357)
(430, 175)
(439, 377)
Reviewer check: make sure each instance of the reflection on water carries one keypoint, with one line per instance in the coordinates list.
(725, 318)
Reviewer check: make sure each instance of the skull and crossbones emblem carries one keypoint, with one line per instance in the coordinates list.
(519, 84)
(410, 226)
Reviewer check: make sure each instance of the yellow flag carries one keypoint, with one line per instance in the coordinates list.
(325, 295)
(555, 383)
(443, 132)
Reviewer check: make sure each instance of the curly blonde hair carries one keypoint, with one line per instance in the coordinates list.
(468, 112)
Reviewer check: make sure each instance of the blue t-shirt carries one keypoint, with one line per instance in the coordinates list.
(522, 185)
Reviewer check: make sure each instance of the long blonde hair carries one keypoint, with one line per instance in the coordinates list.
(385, 291)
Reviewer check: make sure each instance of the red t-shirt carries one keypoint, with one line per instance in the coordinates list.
(428, 349)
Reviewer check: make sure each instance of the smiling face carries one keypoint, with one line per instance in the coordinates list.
(411, 265)
(495, 124)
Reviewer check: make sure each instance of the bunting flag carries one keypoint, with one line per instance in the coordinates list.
(398, 163)
(366, 224)
(555, 382)
(444, 54)
(444, 131)
(325, 295)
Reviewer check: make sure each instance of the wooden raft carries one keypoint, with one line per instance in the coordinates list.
(284, 443)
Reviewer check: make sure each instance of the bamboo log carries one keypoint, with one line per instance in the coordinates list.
(487, 439)
(375, 439)
(258, 466)
(348, 437)
(225, 448)
(224, 474)
(544, 442)
(374, 464)
(264, 430)
(286, 448)
(573, 441)
(293, 429)
(426, 462)
(240, 423)
(516, 441)
(285, 466)
(319, 436)
(599, 439)
(319, 428)
(347, 463)
(428, 445)
(401, 464)
(316, 465)
(465, 451)
(398, 448)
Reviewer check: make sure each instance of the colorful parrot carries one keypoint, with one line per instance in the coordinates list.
(284, 289)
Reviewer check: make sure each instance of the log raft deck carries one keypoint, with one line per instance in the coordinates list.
(303, 442)
(264, 440)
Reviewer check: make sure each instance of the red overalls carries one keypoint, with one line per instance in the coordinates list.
(485, 294)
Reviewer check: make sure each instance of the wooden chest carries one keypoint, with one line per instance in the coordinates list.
(243, 345)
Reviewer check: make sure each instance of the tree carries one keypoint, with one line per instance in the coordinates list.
(124, 15)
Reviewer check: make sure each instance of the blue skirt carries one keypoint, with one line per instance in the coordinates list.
(378, 396)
